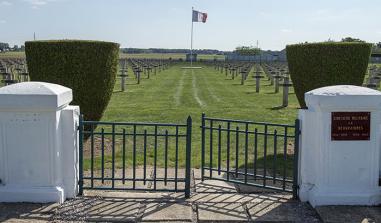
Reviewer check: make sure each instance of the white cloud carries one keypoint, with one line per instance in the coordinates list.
(37, 3)
(286, 30)
(6, 3)
(2, 21)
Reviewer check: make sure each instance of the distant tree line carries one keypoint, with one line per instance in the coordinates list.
(350, 39)
(242, 50)
(247, 50)
(377, 48)
(162, 50)
(4, 47)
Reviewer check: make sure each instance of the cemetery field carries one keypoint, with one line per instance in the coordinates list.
(173, 94)
(170, 55)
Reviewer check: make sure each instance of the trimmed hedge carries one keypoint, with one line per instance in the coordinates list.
(315, 65)
(87, 67)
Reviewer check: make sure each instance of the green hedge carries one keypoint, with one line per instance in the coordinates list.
(87, 67)
(315, 65)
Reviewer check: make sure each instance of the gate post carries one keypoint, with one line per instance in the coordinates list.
(38, 143)
(202, 145)
(80, 132)
(296, 160)
(188, 157)
(340, 146)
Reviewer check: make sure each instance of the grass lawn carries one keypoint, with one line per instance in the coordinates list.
(12, 55)
(172, 95)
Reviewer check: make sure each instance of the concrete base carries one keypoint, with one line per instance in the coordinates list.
(32, 194)
(317, 198)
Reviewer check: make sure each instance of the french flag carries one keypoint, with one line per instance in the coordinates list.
(199, 16)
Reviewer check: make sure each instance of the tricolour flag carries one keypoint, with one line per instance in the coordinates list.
(199, 16)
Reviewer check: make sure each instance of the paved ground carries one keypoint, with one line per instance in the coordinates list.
(349, 214)
(211, 201)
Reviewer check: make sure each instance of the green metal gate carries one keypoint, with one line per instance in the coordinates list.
(251, 153)
(157, 156)
(135, 156)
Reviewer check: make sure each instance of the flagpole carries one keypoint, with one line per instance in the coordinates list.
(191, 51)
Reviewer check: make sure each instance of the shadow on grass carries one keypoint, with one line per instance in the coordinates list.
(281, 162)
(281, 165)
(260, 176)
(251, 92)
(278, 107)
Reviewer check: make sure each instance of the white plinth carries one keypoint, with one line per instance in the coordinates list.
(32, 194)
(339, 172)
(38, 146)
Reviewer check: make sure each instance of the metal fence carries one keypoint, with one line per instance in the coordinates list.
(135, 156)
(250, 153)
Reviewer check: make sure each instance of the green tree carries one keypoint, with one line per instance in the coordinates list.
(4, 46)
(350, 39)
(247, 50)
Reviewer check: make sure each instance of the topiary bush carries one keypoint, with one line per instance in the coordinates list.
(87, 67)
(315, 65)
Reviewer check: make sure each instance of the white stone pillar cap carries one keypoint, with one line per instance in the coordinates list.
(34, 96)
(343, 97)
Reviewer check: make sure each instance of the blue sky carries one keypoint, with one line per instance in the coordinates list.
(167, 23)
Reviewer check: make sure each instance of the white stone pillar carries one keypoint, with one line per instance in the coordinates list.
(339, 164)
(38, 143)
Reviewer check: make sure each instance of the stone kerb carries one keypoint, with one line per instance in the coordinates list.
(345, 171)
(39, 148)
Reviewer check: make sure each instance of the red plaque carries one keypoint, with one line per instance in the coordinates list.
(350, 126)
